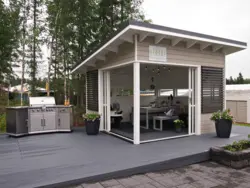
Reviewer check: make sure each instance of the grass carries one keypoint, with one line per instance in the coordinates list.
(243, 124)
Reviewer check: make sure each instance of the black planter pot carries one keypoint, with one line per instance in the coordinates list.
(223, 128)
(92, 127)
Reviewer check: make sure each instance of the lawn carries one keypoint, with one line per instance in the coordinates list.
(243, 124)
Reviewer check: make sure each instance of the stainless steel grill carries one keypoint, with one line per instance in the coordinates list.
(43, 115)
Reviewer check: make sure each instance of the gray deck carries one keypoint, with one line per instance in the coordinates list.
(150, 135)
(44, 160)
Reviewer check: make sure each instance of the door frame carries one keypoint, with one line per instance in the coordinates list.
(197, 83)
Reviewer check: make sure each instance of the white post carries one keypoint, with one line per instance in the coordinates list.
(198, 101)
(136, 114)
(100, 98)
(136, 103)
(108, 102)
(189, 101)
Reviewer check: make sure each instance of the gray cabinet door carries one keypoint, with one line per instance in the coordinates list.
(63, 121)
(49, 121)
(36, 122)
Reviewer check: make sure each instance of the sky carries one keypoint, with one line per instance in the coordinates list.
(223, 18)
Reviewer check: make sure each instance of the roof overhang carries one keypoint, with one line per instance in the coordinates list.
(144, 30)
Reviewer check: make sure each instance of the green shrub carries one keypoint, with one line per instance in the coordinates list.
(91, 116)
(226, 114)
(238, 146)
(3, 123)
(178, 123)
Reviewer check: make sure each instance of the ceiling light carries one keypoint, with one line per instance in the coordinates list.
(164, 67)
(169, 69)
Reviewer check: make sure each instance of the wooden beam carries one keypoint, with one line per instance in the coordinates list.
(191, 43)
(203, 46)
(112, 49)
(175, 41)
(159, 38)
(127, 39)
(143, 36)
(91, 65)
(101, 57)
(215, 48)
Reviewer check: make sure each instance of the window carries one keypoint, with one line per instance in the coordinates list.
(147, 92)
(92, 90)
(166, 92)
(182, 92)
(212, 91)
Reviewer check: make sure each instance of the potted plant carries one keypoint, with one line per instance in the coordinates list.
(178, 125)
(223, 123)
(92, 123)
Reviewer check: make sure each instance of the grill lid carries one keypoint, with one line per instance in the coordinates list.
(42, 101)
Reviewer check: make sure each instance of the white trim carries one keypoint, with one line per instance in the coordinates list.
(108, 102)
(100, 97)
(166, 138)
(123, 137)
(168, 63)
(100, 49)
(189, 100)
(168, 33)
(136, 84)
(198, 101)
(116, 66)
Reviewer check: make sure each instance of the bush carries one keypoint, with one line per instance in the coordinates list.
(3, 123)
(178, 123)
(91, 116)
(238, 146)
(226, 114)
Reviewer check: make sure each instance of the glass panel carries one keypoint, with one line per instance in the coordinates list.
(147, 92)
(182, 92)
(166, 92)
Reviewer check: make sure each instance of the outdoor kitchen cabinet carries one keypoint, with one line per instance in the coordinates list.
(42, 116)
(64, 118)
(17, 121)
(42, 119)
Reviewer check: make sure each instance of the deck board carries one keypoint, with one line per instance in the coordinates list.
(51, 159)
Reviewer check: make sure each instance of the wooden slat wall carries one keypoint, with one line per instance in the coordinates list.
(212, 90)
(92, 90)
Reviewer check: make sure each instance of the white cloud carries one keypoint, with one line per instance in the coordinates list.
(224, 18)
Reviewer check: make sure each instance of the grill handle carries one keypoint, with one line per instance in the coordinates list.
(42, 122)
(59, 122)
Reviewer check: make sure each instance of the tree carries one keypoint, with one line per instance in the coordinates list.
(240, 79)
(9, 24)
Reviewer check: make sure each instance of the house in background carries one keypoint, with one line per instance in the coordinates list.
(144, 71)
(238, 101)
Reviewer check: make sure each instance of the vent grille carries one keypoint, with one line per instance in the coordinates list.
(92, 90)
(212, 90)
